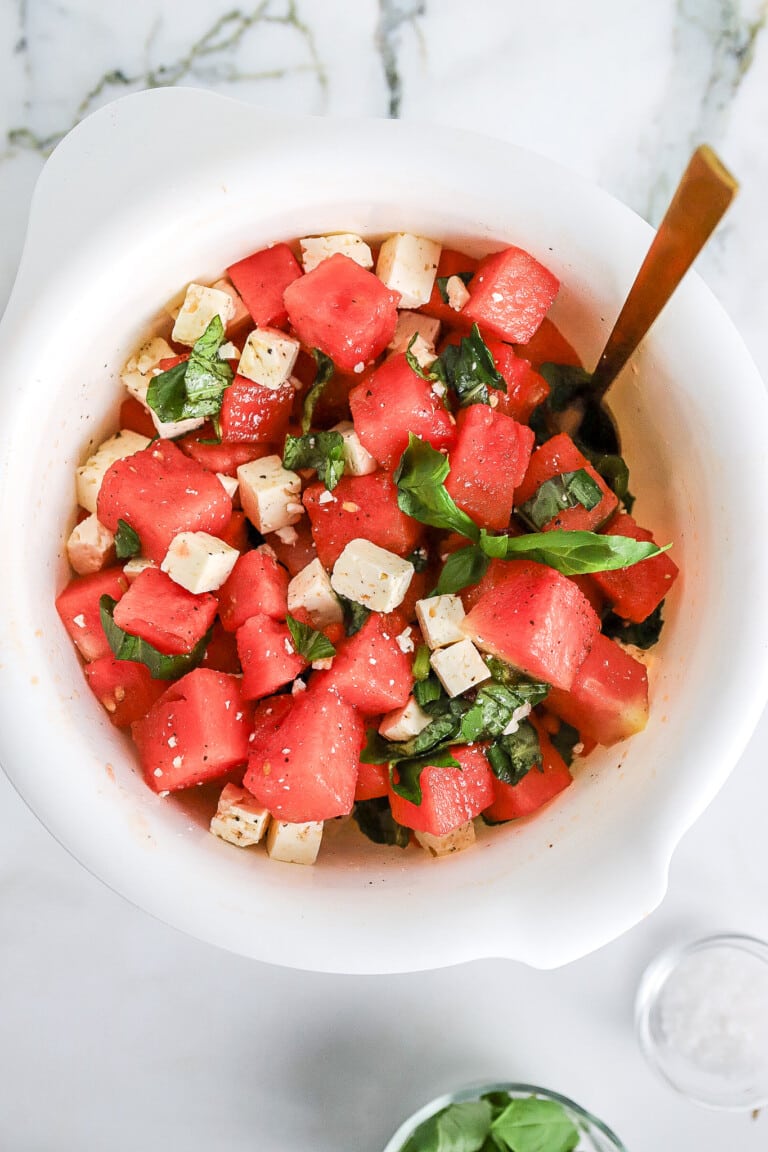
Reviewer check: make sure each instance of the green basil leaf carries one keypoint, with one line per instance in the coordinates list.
(194, 388)
(323, 451)
(556, 495)
(458, 1128)
(572, 553)
(421, 492)
(428, 692)
(469, 369)
(565, 740)
(529, 691)
(421, 665)
(442, 283)
(463, 568)
(534, 1125)
(355, 615)
(419, 558)
(512, 757)
(643, 635)
(375, 820)
(325, 370)
(166, 394)
(127, 647)
(614, 471)
(490, 714)
(408, 782)
(413, 363)
(308, 642)
(127, 541)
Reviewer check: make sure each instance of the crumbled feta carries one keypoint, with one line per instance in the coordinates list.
(407, 264)
(357, 460)
(135, 566)
(405, 722)
(459, 667)
(198, 561)
(89, 545)
(423, 353)
(315, 249)
(518, 715)
(405, 640)
(440, 619)
(287, 535)
(311, 591)
(228, 483)
(200, 306)
(371, 576)
(294, 843)
(323, 665)
(326, 498)
(229, 351)
(453, 841)
(88, 476)
(239, 819)
(410, 324)
(456, 291)
(268, 357)
(268, 493)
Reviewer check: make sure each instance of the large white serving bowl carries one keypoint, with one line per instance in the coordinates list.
(170, 186)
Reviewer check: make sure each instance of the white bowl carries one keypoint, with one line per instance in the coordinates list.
(170, 186)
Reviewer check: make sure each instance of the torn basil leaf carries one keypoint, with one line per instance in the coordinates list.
(615, 472)
(469, 370)
(442, 283)
(127, 541)
(355, 615)
(565, 740)
(572, 553)
(428, 692)
(559, 493)
(512, 757)
(643, 635)
(195, 387)
(325, 370)
(422, 494)
(462, 568)
(421, 665)
(308, 642)
(375, 820)
(405, 776)
(323, 451)
(127, 647)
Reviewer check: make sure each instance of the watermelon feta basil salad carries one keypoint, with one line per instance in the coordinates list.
(339, 558)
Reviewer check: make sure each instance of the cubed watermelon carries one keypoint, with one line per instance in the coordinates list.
(262, 278)
(487, 464)
(538, 786)
(221, 651)
(362, 507)
(135, 418)
(635, 592)
(372, 781)
(78, 607)
(510, 294)
(526, 389)
(555, 457)
(268, 656)
(222, 457)
(124, 688)
(370, 671)
(295, 546)
(449, 796)
(451, 263)
(236, 533)
(167, 616)
(608, 700)
(252, 413)
(256, 585)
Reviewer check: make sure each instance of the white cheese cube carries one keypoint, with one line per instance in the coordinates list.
(200, 306)
(137, 372)
(357, 460)
(371, 576)
(198, 561)
(294, 843)
(315, 249)
(241, 313)
(89, 546)
(410, 324)
(270, 494)
(135, 566)
(239, 819)
(407, 264)
(88, 476)
(228, 483)
(453, 841)
(456, 291)
(405, 722)
(311, 590)
(459, 667)
(268, 357)
(440, 620)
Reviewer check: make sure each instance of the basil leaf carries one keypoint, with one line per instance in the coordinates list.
(512, 757)
(413, 363)
(323, 451)
(458, 1128)
(535, 1125)
(325, 370)
(492, 711)
(643, 635)
(565, 740)
(355, 615)
(408, 783)
(195, 387)
(462, 568)
(428, 692)
(556, 495)
(419, 558)
(127, 541)
(421, 665)
(442, 283)
(529, 691)
(308, 642)
(421, 493)
(572, 553)
(127, 647)
(566, 384)
(469, 369)
(375, 820)
(614, 471)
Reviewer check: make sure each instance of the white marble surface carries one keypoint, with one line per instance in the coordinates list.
(116, 1032)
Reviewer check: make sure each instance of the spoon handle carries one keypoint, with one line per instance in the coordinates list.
(702, 196)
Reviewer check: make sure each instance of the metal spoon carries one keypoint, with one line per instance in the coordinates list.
(699, 203)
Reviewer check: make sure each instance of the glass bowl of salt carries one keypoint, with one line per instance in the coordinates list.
(702, 1020)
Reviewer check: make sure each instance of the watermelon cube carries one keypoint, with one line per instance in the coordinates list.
(536, 620)
(343, 310)
(135, 418)
(487, 464)
(449, 796)
(372, 781)
(451, 263)
(526, 389)
(167, 616)
(78, 607)
(256, 585)
(306, 768)
(224, 457)
(268, 656)
(553, 458)
(124, 688)
(635, 592)
(370, 671)
(537, 787)
(608, 700)
(362, 507)
(510, 294)
(262, 278)
(221, 651)
(252, 413)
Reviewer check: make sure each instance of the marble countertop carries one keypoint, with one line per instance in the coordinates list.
(117, 1032)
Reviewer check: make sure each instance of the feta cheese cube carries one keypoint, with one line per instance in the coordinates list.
(315, 249)
(440, 620)
(268, 357)
(456, 291)
(200, 306)
(357, 460)
(239, 818)
(459, 667)
(311, 590)
(228, 483)
(89, 545)
(410, 324)
(453, 841)
(198, 561)
(405, 722)
(269, 493)
(371, 576)
(88, 476)
(135, 566)
(294, 843)
(137, 372)
(407, 264)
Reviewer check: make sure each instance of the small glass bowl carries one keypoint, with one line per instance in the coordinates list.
(702, 1020)
(595, 1136)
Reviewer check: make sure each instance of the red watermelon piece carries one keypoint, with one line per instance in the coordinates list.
(363, 507)
(262, 278)
(252, 413)
(78, 608)
(268, 656)
(538, 787)
(167, 616)
(487, 464)
(370, 671)
(449, 796)
(635, 592)
(510, 294)
(608, 700)
(256, 585)
(553, 458)
(124, 688)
